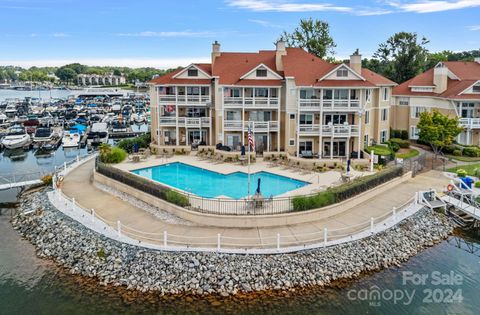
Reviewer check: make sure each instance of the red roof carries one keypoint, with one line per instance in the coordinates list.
(231, 66)
(468, 73)
(307, 69)
(168, 78)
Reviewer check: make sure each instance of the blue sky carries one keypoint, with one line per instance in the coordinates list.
(170, 33)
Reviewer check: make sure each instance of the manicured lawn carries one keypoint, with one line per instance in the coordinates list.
(469, 168)
(464, 158)
(379, 150)
(407, 153)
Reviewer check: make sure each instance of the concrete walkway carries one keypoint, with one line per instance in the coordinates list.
(78, 184)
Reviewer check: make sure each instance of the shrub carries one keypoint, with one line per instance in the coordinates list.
(457, 152)
(47, 179)
(477, 184)
(471, 151)
(142, 141)
(461, 173)
(476, 172)
(449, 149)
(113, 155)
(404, 135)
(177, 198)
(393, 146)
(322, 199)
(404, 144)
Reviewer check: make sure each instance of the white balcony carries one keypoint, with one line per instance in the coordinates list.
(329, 130)
(251, 102)
(334, 105)
(257, 126)
(470, 123)
(188, 122)
(183, 100)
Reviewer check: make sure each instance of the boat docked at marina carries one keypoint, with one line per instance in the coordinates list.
(97, 134)
(16, 138)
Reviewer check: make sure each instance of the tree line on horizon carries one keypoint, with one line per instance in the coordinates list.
(401, 57)
(68, 73)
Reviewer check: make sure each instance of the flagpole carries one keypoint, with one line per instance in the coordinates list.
(248, 171)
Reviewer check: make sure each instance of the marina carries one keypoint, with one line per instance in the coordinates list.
(74, 119)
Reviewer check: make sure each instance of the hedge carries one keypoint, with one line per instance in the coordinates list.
(142, 141)
(346, 191)
(404, 144)
(142, 184)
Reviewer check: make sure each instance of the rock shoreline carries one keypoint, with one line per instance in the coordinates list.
(87, 253)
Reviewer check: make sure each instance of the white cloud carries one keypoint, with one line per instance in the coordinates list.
(428, 6)
(60, 35)
(474, 27)
(186, 33)
(265, 23)
(161, 63)
(282, 6)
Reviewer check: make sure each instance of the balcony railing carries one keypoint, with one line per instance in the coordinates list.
(316, 104)
(257, 126)
(202, 100)
(471, 123)
(251, 102)
(329, 130)
(188, 122)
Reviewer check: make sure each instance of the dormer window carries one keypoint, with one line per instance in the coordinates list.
(476, 88)
(342, 73)
(261, 73)
(192, 72)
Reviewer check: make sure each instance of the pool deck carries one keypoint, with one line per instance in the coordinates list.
(78, 184)
(318, 181)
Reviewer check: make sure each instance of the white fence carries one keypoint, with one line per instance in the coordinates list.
(221, 243)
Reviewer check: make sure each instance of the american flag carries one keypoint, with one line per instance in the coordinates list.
(250, 139)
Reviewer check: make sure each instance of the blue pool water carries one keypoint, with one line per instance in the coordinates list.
(210, 184)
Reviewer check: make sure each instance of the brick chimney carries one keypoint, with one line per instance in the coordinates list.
(215, 51)
(280, 51)
(356, 62)
(440, 78)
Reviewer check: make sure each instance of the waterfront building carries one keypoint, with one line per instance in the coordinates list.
(452, 87)
(293, 101)
(96, 79)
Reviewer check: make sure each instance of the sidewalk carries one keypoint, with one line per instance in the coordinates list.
(78, 185)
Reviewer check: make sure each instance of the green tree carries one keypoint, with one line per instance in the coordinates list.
(434, 58)
(117, 72)
(66, 74)
(402, 56)
(438, 130)
(314, 36)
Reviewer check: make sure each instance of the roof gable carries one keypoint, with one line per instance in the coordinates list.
(252, 75)
(183, 74)
(350, 74)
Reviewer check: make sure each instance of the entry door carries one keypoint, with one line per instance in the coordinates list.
(338, 148)
(261, 142)
(197, 136)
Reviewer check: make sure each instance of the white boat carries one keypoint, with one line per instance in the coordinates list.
(98, 133)
(11, 110)
(71, 139)
(16, 138)
(43, 134)
(137, 118)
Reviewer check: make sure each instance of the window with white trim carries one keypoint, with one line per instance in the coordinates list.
(368, 95)
(476, 88)
(342, 73)
(291, 142)
(422, 89)
(414, 132)
(385, 93)
(261, 72)
(365, 140)
(306, 119)
(305, 146)
(404, 101)
(383, 136)
(292, 116)
(417, 110)
(384, 114)
(367, 117)
(192, 72)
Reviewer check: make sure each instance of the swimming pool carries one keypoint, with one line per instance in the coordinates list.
(211, 184)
